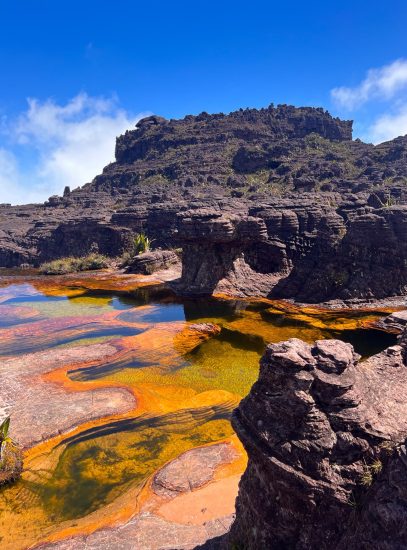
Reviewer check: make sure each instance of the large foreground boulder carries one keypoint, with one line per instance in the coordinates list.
(326, 439)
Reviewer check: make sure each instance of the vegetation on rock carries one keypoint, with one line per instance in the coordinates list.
(71, 265)
(141, 243)
(10, 455)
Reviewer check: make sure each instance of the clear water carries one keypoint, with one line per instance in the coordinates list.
(188, 389)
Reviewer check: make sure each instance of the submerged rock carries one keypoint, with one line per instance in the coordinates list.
(192, 469)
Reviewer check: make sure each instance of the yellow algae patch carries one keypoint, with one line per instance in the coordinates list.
(160, 347)
(214, 364)
(334, 320)
(193, 335)
(324, 318)
(106, 280)
(253, 324)
(74, 495)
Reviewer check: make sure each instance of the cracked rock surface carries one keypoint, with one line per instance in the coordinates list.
(325, 435)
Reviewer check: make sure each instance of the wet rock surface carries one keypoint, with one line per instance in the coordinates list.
(192, 469)
(396, 322)
(148, 532)
(325, 435)
(42, 410)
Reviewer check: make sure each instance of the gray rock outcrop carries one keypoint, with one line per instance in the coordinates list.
(326, 437)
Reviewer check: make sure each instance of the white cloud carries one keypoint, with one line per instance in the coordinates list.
(382, 83)
(71, 144)
(8, 175)
(389, 126)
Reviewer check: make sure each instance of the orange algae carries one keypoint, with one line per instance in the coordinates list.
(186, 382)
(74, 284)
(50, 453)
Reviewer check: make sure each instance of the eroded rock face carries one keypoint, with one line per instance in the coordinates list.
(325, 436)
(310, 248)
(243, 162)
(149, 262)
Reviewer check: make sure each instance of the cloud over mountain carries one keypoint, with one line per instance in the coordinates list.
(58, 145)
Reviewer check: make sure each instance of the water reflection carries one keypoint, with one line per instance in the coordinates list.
(186, 386)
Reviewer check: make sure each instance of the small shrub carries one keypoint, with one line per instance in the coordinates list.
(71, 265)
(370, 471)
(4, 438)
(353, 502)
(138, 244)
(93, 261)
(142, 243)
(388, 446)
(366, 478)
(376, 467)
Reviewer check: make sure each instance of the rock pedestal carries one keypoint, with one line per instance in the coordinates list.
(325, 435)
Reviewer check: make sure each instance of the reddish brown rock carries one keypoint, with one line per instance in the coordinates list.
(325, 435)
(41, 409)
(192, 469)
(150, 262)
(146, 532)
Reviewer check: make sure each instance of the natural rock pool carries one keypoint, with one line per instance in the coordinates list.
(110, 377)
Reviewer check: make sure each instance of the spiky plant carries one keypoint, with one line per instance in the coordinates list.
(142, 243)
(4, 437)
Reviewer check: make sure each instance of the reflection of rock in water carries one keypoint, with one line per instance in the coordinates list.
(153, 388)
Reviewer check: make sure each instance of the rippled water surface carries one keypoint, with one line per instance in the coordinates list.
(186, 387)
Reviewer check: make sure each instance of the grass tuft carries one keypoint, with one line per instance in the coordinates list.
(72, 265)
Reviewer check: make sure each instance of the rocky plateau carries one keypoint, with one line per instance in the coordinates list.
(278, 202)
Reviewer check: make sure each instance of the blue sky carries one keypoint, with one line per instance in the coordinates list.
(75, 74)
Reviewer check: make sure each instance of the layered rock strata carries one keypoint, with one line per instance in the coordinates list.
(270, 195)
(150, 262)
(303, 248)
(326, 437)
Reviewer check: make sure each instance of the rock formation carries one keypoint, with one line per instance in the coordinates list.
(304, 248)
(281, 196)
(149, 262)
(326, 439)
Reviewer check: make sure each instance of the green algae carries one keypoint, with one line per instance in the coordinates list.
(188, 397)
